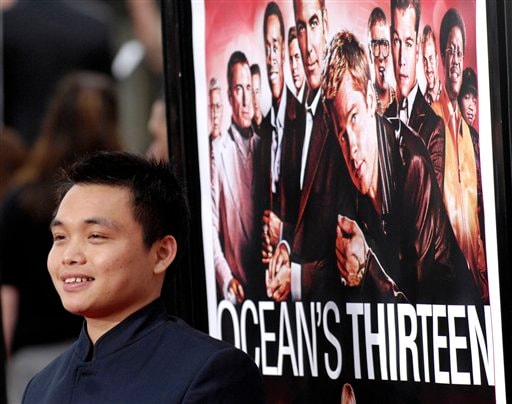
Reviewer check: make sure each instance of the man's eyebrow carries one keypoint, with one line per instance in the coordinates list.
(313, 18)
(55, 222)
(102, 221)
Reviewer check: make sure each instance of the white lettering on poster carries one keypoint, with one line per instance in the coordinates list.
(441, 344)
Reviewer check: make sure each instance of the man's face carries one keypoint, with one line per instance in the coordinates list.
(404, 46)
(311, 23)
(99, 263)
(430, 63)
(379, 34)
(240, 95)
(256, 96)
(353, 116)
(274, 56)
(296, 66)
(453, 63)
(469, 108)
(215, 112)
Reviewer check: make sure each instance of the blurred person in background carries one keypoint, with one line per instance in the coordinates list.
(157, 128)
(82, 118)
(13, 153)
(43, 41)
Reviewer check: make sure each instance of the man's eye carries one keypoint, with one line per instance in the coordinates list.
(58, 237)
(300, 28)
(342, 136)
(96, 236)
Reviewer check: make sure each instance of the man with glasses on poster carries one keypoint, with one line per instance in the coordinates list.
(410, 106)
(460, 173)
(379, 56)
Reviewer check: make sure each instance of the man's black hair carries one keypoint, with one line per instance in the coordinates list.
(273, 9)
(451, 19)
(236, 57)
(159, 201)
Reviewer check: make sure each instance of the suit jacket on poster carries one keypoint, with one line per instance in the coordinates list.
(430, 128)
(234, 213)
(269, 201)
(312, 212)
(415, 255)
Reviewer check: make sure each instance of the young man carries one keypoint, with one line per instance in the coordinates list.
(120, 222)
(408, 251)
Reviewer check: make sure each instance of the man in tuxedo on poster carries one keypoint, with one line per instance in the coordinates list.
(407, 252)
(316, 184)
(410, 106)
(278, 126)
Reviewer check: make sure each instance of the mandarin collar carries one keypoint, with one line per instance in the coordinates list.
(127, 331)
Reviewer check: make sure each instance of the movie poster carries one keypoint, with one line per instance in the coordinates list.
(347, 197)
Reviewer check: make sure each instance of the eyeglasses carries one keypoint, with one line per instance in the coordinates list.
(380, 47)
(452, 53)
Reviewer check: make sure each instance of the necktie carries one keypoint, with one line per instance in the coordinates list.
(404, 111)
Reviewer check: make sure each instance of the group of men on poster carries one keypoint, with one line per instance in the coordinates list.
(349, 188)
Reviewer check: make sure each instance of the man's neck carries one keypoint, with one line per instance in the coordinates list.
(277, 101)
(244, 132)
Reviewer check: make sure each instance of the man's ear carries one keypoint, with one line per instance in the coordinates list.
(325, 19)
(230, 98)
(165, 250)
(371, 98)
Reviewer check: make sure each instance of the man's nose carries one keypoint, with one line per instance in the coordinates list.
(352, 144)
(401, 58)
(73, 254)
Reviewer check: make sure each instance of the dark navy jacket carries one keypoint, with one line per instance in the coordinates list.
(148, 358)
